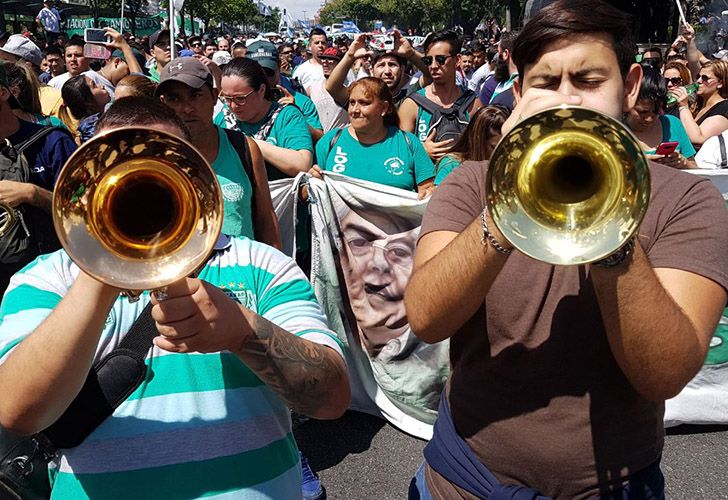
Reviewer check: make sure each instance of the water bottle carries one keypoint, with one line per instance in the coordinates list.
(690, 89)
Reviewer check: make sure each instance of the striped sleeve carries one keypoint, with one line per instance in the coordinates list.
(31, 296)
(286, 298)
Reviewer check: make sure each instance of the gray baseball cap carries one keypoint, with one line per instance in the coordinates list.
(187, 70)
(22, 47)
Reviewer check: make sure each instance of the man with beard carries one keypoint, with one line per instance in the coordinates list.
(443, 53)
(76, 62)
(195, 44)
(498, 89)
(390, 67)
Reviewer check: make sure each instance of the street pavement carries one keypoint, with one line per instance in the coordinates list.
(362, 457)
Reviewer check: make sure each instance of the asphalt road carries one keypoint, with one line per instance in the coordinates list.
(363, 457)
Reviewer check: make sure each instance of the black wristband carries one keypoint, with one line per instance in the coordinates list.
(618, 256)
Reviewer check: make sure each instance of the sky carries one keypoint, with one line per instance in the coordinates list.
(297, 7)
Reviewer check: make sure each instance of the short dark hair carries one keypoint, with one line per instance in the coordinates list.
(140, 111)
(317, 31)
(74, 41)
(654, 49)
(653, 87)
(77, 97)
(565, 18)
(53, 50)
(448, 36)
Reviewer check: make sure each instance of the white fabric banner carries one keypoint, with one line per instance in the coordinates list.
(363, 239)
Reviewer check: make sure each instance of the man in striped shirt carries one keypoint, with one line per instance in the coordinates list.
(238, 346)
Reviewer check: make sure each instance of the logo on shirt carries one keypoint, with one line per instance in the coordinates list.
(340, 159)
(233, 192)
(110, 319)
(394, 166)
(239, 293)
(422, 130)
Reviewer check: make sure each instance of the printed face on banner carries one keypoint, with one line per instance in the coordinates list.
(379, 252)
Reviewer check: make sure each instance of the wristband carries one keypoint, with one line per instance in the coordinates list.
(618, 256)
(489, 238)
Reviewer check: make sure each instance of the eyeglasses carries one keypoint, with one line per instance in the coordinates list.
(674, 81)
(704, 78)
(441, 59)
(238, 100)
(286, 52)
(196, 44)
(395, 253)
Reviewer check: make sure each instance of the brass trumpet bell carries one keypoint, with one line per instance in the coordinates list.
(568, 185)
(137, 208)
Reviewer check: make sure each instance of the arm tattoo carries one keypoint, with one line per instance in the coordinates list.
(301, 372)
(42, 198)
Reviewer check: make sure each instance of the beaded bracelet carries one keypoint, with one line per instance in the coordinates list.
(489, 238)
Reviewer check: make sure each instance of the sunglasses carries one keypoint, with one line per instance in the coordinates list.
(441, 59)
(196, 44)
(674, 81)
(704, 78)
(286, 52)
(238, 100)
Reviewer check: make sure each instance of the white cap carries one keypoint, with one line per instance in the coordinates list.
(221, 57)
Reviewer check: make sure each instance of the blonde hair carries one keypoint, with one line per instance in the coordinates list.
(720, 70)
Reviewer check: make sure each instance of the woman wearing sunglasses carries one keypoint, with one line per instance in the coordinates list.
(280, 132)
(652, 128)
(372, 147)
(678, 75)
(712, 117)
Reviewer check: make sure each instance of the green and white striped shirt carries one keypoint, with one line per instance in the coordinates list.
(200, 425)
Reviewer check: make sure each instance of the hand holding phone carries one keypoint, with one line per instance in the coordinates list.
(95, 35)
(666, 148)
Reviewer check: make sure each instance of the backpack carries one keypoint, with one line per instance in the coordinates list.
(32, 232)
(449, 123)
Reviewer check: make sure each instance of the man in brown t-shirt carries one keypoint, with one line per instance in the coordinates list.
(560, 373)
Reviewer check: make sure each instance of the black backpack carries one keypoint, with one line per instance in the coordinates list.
(449, 123)
(32, 232)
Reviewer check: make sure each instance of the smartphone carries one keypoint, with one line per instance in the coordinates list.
(95, 35)
(93, 51)
(388, 43)
(666, 148)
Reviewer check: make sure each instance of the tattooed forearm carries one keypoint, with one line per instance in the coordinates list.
(42, 198)
(304, 374)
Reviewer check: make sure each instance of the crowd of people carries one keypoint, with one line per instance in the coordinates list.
(421, 119)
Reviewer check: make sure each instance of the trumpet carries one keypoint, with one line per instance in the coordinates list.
(137, 209)
(568, 186)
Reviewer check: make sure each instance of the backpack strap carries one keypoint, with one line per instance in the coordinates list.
(36, 137)
(426, 104)
(265, 130)
(464, 102)
(723, 156)
(240, 143)
(109, 383)
(332, 143)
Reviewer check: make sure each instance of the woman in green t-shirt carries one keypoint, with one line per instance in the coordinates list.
(281, 132)
(372, 147)
(477, 142)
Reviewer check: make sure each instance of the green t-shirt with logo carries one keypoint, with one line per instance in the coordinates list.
(308, 108)
(237, 189)
(395, 161)
(289, 131)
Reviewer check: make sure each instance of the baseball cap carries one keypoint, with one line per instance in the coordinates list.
(14, 104)
(221, 57)
(264, 53)
(137, 55)
(187, 70)
(154, 37)
(331, 53)
(21, 47)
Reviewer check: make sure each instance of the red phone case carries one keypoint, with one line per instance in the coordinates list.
(666, 148)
